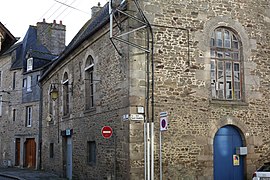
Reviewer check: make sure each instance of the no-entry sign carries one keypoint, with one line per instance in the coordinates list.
(106, 131)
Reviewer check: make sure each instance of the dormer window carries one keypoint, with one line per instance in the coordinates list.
(30, 64)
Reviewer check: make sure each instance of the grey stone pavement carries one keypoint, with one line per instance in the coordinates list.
(26, 174)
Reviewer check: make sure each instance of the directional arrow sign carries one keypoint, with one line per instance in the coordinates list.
(106, 131)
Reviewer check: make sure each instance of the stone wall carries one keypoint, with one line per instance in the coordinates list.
(182, 33)
(52, 36)
(111, 102)
(15, 127)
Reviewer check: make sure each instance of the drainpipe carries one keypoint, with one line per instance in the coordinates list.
(40, 125)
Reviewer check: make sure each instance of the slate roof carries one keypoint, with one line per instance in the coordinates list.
(9, 39)
(41, 55)
(90, 28)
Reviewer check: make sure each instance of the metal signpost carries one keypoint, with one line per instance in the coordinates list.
(163, 127)
(107, 132)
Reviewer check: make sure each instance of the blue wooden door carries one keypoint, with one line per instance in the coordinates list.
(226, 140)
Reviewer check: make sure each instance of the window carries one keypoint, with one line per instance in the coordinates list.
(24, 82)
(226, 64)
(14, 81)
(89, 86)
(29, 83)
(14, 114)
(1, 105)
(51, 150)
(0, 78)
(51, 104)
(65, 95)
(29, 116)
(38, 78)
(29, 64)
(91, 150)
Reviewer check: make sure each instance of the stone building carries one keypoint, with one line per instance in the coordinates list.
(6, 38)
(210, 74)
(6, 41)
(21, 66)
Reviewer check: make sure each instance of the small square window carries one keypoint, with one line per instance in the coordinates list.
(51, 150)
(91, 152)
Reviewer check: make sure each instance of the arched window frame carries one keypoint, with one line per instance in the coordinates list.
(51, 105)
(65, 84)
(89, 83)
(226, 65)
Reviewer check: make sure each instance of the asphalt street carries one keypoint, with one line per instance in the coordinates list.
(26, 174)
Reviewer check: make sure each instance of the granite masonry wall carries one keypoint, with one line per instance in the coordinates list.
(110, 103)
(182, 32)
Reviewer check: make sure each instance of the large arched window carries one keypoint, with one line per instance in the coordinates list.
(226, 65)
(65, 94)
(89, 85)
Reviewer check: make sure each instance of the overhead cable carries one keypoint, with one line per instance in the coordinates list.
(71, 7)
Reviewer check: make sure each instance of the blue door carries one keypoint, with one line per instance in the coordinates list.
(225, 168)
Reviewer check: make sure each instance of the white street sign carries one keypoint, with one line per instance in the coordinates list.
(163, 123)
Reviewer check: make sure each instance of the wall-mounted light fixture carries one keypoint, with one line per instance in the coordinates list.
(54, 92)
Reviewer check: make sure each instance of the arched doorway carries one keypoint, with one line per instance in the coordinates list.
(227, 164)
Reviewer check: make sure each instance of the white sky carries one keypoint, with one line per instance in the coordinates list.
(17, 15)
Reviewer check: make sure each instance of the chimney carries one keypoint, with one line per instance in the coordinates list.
(95, 10)
(52, 36)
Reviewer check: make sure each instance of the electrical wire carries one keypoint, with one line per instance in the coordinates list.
(65, 10)
(46, 12)
(56, 10)
(71, 7)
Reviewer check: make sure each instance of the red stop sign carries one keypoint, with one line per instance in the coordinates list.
(106, 131)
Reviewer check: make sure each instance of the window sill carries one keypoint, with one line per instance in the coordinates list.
(91, 164)
(50, 123)
(66, 116)
(228, 102)
(90, 110)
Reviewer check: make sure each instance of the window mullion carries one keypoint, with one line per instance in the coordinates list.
(224, 79)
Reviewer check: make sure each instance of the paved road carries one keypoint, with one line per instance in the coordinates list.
(5, 178)
(26, 174)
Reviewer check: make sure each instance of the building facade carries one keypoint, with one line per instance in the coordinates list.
(6, 41)
(21, 67)
(210, 74)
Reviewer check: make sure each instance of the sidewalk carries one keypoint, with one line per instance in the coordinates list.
(27, 174)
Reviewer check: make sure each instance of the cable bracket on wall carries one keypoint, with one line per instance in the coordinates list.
(118, 15)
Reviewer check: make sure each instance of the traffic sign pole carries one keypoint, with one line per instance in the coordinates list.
(163, 127)
(160, 155)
